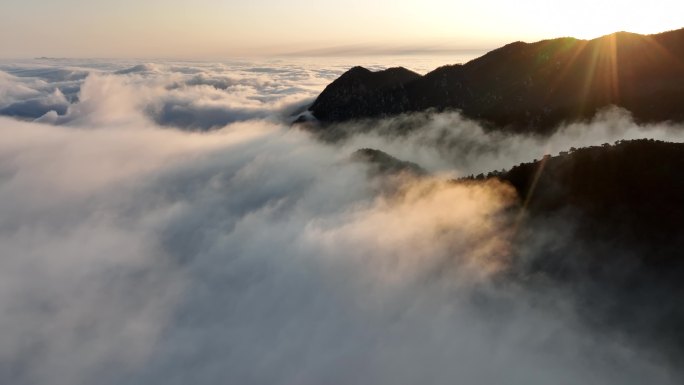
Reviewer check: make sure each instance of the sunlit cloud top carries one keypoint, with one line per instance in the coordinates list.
(224, 28)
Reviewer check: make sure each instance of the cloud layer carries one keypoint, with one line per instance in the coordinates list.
(138, 247)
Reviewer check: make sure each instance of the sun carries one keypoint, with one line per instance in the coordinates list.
(589, 19)
(598, 28)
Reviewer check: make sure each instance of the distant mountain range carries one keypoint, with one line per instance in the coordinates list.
(527, 86)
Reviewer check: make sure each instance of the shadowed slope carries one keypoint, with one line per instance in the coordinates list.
(604, 223)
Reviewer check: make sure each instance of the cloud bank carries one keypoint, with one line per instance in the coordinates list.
(140, 247)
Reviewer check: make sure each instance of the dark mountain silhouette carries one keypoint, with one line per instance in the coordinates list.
(527, 87)
(358, 91)
(632, 192)
(607, 224)
(385, 164)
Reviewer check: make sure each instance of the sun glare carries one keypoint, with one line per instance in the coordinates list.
(605, 27)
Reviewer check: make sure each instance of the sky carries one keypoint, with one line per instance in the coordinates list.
(226, 28)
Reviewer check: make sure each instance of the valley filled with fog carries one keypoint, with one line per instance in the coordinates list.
(165, 223)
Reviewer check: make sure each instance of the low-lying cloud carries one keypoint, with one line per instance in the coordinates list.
(137, 253)
(196, 97)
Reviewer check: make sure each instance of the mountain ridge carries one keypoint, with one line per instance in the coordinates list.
(530, 87)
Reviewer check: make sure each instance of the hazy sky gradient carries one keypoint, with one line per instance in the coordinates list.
(224, 28)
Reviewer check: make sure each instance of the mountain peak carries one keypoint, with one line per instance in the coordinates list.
(356, 70)
(383, 163)
(357, 88)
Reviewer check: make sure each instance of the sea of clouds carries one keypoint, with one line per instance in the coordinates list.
(163, 223)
